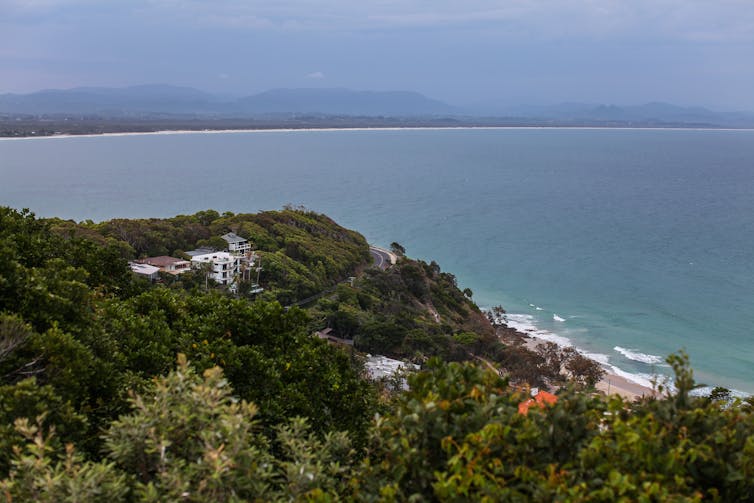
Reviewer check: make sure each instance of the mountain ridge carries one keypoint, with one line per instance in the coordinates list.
(155, 100)
(185, 100)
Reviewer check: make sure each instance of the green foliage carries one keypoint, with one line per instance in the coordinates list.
(90, 332)
(28, 401)
(553, 360)
(412, 310)
(466, 338)
(14, 333)
(37, 477)
(302, 252)
(267, 352)
(315, 468)
(191, 441)
(406, 449)
(397, 249)
(720, 393)
(457, 436)
(186, 439)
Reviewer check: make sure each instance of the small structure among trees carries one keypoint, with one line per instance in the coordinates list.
(170, 265)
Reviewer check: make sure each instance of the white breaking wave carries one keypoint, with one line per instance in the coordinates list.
(641, 379)
(706, 390)
(600, 358)
(636, 356)
(557, 318)
(525, 323)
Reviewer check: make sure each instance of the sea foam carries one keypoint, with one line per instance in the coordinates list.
(636, 356)
(645, 380)
(525, 323)
(706, 390)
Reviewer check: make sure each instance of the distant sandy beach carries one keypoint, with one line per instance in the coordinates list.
(356, 128)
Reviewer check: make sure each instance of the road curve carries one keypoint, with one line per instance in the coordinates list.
(382, 258)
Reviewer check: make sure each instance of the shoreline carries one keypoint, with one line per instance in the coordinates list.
(611, 384)
(363, 128)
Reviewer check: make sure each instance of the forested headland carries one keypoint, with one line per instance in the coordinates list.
(114, 388)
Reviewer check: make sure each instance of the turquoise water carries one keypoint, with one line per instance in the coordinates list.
(641, 241)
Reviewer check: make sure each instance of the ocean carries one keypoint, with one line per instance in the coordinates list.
(628, 244)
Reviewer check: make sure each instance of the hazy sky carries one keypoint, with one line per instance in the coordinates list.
(688, 52)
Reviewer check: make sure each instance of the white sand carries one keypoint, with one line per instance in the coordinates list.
(611, 384)
(387, 128)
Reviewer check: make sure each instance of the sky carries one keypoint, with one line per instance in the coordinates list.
(624, 52)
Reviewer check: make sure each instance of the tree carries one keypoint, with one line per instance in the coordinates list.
(192, 441)
(585, 371)
(186, 439)
(26, 400)
(720, 393)
(397, 249)
(37, 477)
(13, 334)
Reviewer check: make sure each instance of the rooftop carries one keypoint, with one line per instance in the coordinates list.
(144, 269)
(214, 257)
(232, 237)
(161, 261)
(200, 251)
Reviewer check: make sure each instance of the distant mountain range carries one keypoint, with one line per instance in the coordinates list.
(110, 101)
(660, 113)
(343, 102)
(164, 100)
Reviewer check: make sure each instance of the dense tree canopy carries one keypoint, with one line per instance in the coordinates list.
(456, 434)
(93, 406)
(78, 332)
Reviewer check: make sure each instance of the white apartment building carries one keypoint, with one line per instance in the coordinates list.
(225, 267)
(237, 244)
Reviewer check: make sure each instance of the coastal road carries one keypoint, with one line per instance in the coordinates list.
(382, 258)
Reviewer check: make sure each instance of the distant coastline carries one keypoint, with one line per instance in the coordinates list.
(282, 129)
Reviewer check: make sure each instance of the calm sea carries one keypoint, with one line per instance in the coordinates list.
(630, 244)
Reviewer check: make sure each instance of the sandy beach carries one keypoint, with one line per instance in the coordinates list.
(355, 128)
(611, 384)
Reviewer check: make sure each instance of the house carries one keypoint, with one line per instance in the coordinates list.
(237, 244)
(224, 267)
(150, 272)
(170, 265)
